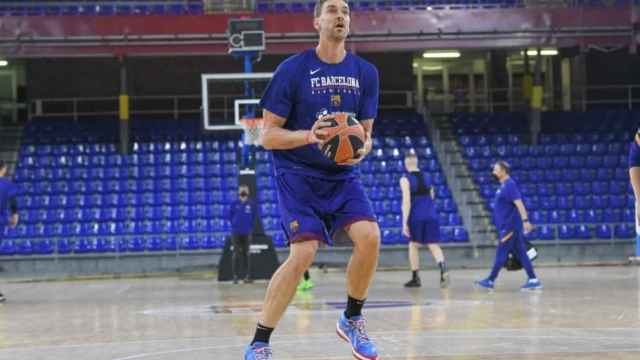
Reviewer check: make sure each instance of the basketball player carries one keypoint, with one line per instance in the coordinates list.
(634, 175)
(420, 221)
(8, 204)
(512, 222)
(242, 215)
(306, 283)
(305, 92)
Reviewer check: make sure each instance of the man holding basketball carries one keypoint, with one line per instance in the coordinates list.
(316, 195)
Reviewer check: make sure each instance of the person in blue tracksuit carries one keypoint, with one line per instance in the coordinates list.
(242, 215)
(8, 205)
(634, 176)
(512, 222)
(420, 220)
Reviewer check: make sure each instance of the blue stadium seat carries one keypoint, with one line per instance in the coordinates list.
(446, 234)
(577, 162)
(582, 202)
(84, 246)
(567, 232)
(547, 232)
(583, 232)
(460, 234)
(603, 231)
(43, 247)
(617, 201)
(8, 247)
(593, 216)
(612, 215)
(624, 231)
(105, 245)
(558, 217)
(64, 246)
(575, 217)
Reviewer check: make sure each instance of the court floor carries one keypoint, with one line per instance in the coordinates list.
(582, 313)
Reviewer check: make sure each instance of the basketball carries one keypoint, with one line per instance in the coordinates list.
(345, 137)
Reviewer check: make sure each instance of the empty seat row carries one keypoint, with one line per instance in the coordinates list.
(582, 232)
(87, 245)
(130, 199)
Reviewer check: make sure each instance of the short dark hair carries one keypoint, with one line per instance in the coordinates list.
(2, 164)
(317, 11)
(504, 165)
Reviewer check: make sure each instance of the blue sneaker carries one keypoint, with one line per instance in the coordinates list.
(352, 331)
(258, 351)
(532, 284)
(485, 283)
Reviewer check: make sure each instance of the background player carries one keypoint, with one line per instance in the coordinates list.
(305, 90)
(8, 205)
(306, 283)
(512, 222)
(242, 215)
(634, 175)
(420, 220)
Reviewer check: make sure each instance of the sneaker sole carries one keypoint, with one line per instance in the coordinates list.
(353, 350)
(484, 287)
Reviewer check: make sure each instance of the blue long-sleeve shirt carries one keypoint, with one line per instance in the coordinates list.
(242, 215)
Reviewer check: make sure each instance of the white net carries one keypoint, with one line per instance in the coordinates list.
(252, 130)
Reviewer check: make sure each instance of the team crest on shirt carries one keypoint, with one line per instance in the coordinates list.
(294, 226)
(336, 100)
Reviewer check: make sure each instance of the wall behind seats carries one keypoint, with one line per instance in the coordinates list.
(58, 78)
(96, 77)
(396, 69)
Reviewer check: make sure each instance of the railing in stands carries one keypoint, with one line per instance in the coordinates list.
(581, 99)
(175, 106)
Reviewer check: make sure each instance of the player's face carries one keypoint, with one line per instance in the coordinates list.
(3, 171)
(410, 163)
(498, 172)
(334, 21)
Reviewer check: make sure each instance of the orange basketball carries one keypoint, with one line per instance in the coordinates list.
(345, 137)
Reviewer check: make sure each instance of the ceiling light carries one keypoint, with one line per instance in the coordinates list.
(451, 54)
(543, 52)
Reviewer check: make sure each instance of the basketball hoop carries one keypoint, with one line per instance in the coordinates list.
(252, 130)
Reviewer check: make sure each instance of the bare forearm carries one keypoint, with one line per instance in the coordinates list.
(406, 207)
(276, 138)
(405, 215)
(522, 210)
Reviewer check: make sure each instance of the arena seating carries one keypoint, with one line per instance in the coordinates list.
(101, 7)
(78, 195)
(574, 181)
(281, 6)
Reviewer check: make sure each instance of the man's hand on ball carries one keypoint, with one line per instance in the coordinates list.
(316, 135)
(362, 153)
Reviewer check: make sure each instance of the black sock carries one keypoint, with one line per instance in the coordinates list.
(354, 307)
(415, 275)
(306, 275)
(443, 267)
(263, 334)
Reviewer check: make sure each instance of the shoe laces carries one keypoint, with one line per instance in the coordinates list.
(361, 333)
(263, 353)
